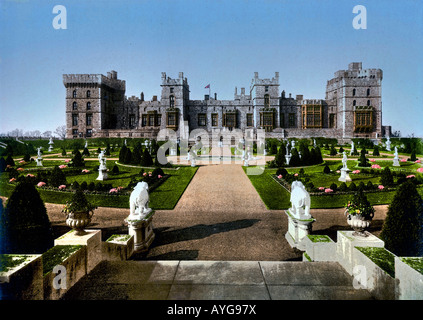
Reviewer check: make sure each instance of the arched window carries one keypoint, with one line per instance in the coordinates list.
(74, 94)
(368, 92)
(74, 106)
(88, 93)
(353, 92)
(354, 102)
(368, 102)
(88, 105)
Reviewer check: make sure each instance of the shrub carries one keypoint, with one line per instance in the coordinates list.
(86, 152)
(295, 158)
(402, 230)
(2, 164)
(281, 171)
(352, 187)
(334, 187)
(63, 152)
(363, 161)
(343, 187)
(280, 157)
(376, 151)
(361, 186)
(75, 185)
(369, 185)
(386, 178)
(412, 156)
(128, 156)
(273, 148)
(27, 157)
(115, 169)
(10, 161)
(157, 171)
(146, 160)
(341, 150)
(77, 160)
(24, 223)
(57, 177)
(122, 154)
(91, 186)
(333, 151)
(326, 169)
(84, 185)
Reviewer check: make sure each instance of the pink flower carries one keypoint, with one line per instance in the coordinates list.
(375, 166)
(30, 175)
(113, 190)
(328, 190)
(22, 161)
(280, 176)
(372, 160)
(411, 176)
(417, 161)
(296, 175)
(62, 187)
(150, 175)
(67, 160)
(420, 170)
(381, 187)
(63, 166)
(403, 160)
(144, 174)
(12, 180)
(20, 169)
(85, 171)
(159, 176)
(356, 171)
(41, 184)
(119, 188)
(321, 188)
(338, 171)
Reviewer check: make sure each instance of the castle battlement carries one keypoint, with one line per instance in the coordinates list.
(94, 79)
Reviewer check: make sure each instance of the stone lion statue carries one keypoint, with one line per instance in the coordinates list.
(138, 201)
(300, 200)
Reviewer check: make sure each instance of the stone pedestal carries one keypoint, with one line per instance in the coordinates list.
(119, 247)
(346, 242)
(298, 229)
(39, 162)
(142, 230)
(345, 177)
(102, 174)
(91, 239)
(396, 163)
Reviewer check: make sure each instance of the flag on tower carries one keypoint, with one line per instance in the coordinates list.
(207, 86)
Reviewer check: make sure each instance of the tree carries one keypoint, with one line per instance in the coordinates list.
(376, 151)
(57, 177)
(280, 157)
(402, 230)
(413, 156)
(363, 161)
(326, 169)
(85, 152)
(146, 160)
(122, 154)
(333, 151)
(77, 160)
(61, 131)
(24, 223)
(46, 134)
(295, 158)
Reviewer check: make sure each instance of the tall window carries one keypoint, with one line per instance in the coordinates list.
(230, 120)
(132, 120)
(75, 132)
(74, 94)
(144, 120)
(88, 105)
(89, 119)
(172, 101)
(171, 119)
(74, 106)
(266, 88)
(250, 120)
(291, 120)
(201, 119)
(312, 116)
(332, 120)
(282, 120)
(266, 100)
(151, 119)
(74, 119)
(354, 103)
(88, 93)
(354, 92)
(368, 102)
(89, 132)
(159, 120)
(368, 92)
(214, 119)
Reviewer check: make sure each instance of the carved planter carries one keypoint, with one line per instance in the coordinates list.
(79, 220)
(359, 224)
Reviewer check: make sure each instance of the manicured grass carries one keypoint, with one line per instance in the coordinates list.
(272, 193)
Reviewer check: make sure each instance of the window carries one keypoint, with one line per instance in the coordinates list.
(332, 120)
(159, 120)
(214, 118)
(266, 120)
(282, 120)
(75, 132)
(201, 119)
(89, 132)
(171, 119)
(250, 120)
(151, 119)
(266, 88)
(171, 90)
(172, 101)
(266, 100)
(368, 92)
(88, 93)
(354, 92)
(354, 103)
(74, 120)
(74, 94)
(291, 120)
(311, 116)
(132, 120)
(230, 120)
(74, 106)
(88, 105)
(368, 102)
(144, 120)
(89, 119)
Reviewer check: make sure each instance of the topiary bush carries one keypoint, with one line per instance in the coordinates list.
(402, 229)
(57, 177)
(24, 223)
(386, 178)
(281, 171)
(376, 151)
(326, 169)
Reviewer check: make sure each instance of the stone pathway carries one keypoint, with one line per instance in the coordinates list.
(216, 280)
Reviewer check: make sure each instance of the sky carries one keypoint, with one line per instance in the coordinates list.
(216, 42)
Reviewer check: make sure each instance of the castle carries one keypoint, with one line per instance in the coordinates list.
(96, 106)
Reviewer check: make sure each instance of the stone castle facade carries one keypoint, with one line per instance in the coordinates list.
(96, 106)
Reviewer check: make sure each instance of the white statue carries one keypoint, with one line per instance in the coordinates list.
(396, 153)
(352, 148)
(39, 152)
(344, 160)
(102, 160)
(138, 202)
(86, 144)
(314, 143)
(292, 144)
(388, 144)
(300, 200)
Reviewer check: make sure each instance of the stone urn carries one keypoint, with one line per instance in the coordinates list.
(79, 221)
(359, 224)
